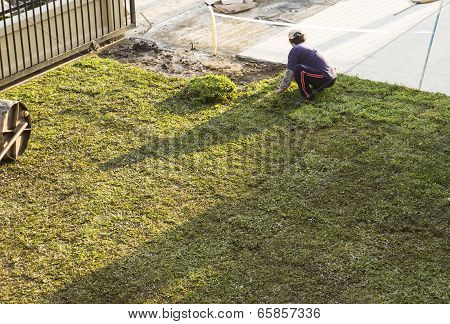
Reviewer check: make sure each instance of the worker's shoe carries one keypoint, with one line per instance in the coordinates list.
(303, 99)
(310, 98)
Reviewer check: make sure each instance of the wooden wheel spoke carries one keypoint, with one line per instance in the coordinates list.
(15, 129)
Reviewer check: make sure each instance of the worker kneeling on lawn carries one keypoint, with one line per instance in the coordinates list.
(311, 70)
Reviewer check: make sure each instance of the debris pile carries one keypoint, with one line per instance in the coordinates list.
(233, 6)
(144, 45)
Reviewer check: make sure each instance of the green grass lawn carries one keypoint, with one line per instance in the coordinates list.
(131, 193)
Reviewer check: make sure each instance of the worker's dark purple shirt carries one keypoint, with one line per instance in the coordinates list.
(311, 57)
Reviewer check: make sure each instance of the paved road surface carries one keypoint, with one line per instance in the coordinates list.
(395, 53)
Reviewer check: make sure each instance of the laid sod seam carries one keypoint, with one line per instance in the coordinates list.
(132, 191)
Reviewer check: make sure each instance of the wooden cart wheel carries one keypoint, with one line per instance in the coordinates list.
(15, 129)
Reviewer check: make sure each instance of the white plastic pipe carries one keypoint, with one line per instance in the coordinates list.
(214, 30)
(318, 27)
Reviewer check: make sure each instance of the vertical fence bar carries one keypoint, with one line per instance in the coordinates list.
(89, 19)
(95, 19)
(28, 35)
(101, 18)
(1, 50)
(6, 38)
(133, 12)
(35, 33)
(113, 14)
(76, 21)
(42, 31)
(1, 61)
(107, 17)
(63, 25)
(119, 9)
(82, 22)
(14, 38)
(126, 14)
(56, 27)
(21, 35)
(49, 29)
(70, 23)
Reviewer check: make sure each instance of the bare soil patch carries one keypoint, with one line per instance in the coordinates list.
(188, 63)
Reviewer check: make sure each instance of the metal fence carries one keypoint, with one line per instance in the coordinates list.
(35, 34)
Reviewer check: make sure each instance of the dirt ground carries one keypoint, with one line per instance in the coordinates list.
(187, 63)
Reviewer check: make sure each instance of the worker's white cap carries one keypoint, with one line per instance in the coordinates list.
(295, 33)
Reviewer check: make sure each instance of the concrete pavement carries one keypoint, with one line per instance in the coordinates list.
(187, 23)
(364, 38)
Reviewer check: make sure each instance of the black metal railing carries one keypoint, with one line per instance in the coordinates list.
(37, 33)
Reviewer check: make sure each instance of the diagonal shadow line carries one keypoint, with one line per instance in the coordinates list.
(226, 127)
(265, 241)
(200, 243)
(253, 243)
(231, 234)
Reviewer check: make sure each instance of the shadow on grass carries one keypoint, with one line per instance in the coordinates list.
(179, 103)
(301, 235)
(253, 249)
(224, 248)
(237, 122)
(289, 240)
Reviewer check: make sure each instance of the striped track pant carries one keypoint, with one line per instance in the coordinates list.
(311, 80)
